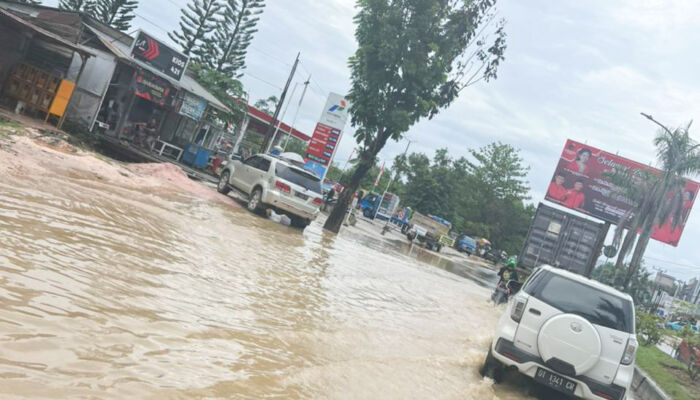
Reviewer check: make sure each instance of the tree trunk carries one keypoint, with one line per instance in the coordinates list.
(656, 203)
(335, 220)
(626, 246)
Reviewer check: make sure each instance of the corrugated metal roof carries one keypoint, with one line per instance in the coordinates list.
(43, 32)
(122, 51)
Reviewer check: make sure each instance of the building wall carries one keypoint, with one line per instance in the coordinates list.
(12, 47)
(91, 87)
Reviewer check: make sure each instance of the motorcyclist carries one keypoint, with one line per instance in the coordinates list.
(508, 272)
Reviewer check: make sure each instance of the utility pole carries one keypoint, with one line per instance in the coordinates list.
(391, 181)
(296, 114)
(270, 129)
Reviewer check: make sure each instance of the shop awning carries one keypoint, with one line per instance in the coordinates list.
(9, 17)
(267, 119)
(187, 83)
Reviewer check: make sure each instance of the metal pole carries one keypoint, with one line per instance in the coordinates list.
(296, 114)
(271, 127)
(279, 123)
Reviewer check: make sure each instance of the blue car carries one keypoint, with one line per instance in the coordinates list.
(678, 326)
(466, 244)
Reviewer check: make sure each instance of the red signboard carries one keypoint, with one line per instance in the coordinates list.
(152, 88)
(581, 183)
(323, 144)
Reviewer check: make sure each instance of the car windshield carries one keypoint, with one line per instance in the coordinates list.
(298, 177)
(573, 297)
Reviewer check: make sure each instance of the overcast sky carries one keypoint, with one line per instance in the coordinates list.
(573, 69)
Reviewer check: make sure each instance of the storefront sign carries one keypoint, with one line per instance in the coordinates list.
(159, 56)
(152, 88)
(582, 182)
(326, 136)
(192, 107)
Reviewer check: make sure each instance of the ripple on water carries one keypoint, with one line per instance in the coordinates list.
(108, 292)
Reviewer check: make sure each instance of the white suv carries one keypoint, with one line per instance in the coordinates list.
(275, 182)
(567, 332)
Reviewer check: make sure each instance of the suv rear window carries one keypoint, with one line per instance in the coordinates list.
(298, 177)
(572, 297)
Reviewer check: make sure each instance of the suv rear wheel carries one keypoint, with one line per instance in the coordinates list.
(492, 368)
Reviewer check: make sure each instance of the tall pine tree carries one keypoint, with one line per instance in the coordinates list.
(116, 13)
(226, 53)
(196, 23)
(86, 6)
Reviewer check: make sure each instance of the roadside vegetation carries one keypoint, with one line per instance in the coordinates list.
(669, 374)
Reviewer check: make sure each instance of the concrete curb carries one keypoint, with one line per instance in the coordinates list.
(644, 388)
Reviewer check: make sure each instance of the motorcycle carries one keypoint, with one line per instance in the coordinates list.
(503, 291)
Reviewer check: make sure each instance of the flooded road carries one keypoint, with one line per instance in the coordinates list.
(113, 292)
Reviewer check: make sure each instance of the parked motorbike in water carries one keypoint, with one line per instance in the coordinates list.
(504, 290)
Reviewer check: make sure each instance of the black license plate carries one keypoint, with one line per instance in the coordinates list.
(555, 381)
(301, 196)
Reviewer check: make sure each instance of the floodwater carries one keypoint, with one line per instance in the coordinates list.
(117, 293)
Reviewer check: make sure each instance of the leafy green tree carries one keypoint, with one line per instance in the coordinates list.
(482, 197)
(86, 6)
(267, 105)
(196, 23)
(294, 145)
(227, 51)
(116, 13)
(224, 88)
(648, 328)
(413, 59)
(640, 286)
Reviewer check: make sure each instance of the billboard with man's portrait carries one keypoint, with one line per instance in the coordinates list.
(582, 182)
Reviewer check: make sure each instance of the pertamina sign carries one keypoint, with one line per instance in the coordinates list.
(327, 135)
(159, 56)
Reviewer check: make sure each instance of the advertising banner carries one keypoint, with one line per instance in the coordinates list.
(326, 136)
(151, 87)
(581, 182)
(192, 107)
(159, 56)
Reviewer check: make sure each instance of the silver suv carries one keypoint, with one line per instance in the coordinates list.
(277, 183)
(567, 332)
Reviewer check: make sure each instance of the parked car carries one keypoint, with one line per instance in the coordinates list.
(277, 183)
(679, 325)
(567, 332)
(466, 244)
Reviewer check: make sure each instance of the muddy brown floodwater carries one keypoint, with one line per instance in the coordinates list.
(111, 291)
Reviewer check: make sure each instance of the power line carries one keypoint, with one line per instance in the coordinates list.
(262, 80)
(694, 267)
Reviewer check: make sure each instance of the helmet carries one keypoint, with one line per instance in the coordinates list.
(511, 263)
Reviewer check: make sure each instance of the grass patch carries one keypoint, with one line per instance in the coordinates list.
(668, 373)
(8, 128)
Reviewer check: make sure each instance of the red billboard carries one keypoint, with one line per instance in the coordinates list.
(581, 183)
(323, 143)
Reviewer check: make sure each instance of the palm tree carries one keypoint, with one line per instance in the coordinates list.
(679, 156)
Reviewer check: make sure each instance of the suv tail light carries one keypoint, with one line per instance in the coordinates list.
(516, 313)
(283, 187)
(630, 351)
(318, 201)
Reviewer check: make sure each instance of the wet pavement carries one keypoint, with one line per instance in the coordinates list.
(108, 291)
